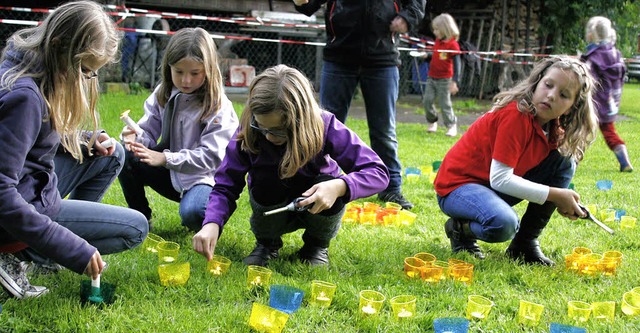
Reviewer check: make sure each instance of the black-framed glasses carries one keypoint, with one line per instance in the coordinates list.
(89, 74)
(281, 133)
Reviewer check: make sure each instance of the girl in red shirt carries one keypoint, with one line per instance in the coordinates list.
(525, 148)
(443, 74)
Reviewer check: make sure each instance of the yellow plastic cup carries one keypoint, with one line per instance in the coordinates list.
(627, 222)
(258, 277)
(427, 257)
(445, 268)
(579, 311)
(267, 319)
(529, 313)
(371, 302)
(580, 250)
(413, 267)
(150, 243)
(406, 217)
(322, 293)
(604, 310)
(478, 307)
(462, 273)
(590, 264)
(218, 265)
(572, 262)
(432, 273)
(403, 306)
(168, 252)
(630, 303)
(174, 274)
(608, 215)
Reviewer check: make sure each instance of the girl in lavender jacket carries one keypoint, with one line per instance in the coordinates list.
(290, 148)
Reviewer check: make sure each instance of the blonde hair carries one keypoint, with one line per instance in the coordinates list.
(579, 127)
(599, 30)
(52, 54)
(447, 26)
(288, 92)
(196, 44)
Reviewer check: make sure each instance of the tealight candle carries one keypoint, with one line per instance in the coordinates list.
(368, 309)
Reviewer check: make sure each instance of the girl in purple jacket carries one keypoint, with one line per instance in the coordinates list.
(290, 148)
(48, 91)
(606, 64)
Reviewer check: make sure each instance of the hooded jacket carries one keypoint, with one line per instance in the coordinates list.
(607, 67)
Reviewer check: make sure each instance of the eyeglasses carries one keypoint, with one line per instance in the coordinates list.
(281, 133)
(88, 74)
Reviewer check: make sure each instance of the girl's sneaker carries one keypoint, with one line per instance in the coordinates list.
(13, 278)
(433, 127)
(452, 131)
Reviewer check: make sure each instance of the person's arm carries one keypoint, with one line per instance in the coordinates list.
(308, 7)
(412, 12)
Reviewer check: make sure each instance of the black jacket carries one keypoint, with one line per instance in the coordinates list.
(358, 30)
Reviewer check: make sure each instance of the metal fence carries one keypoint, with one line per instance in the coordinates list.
(261, 44)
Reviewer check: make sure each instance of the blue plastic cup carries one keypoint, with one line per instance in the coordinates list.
(604, 185)
(451, 325)
(285, 298)
(560, 328)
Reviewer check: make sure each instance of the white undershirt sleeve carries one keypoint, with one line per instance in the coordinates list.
(502, 179)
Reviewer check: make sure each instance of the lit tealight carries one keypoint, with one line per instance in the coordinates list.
(368, 309)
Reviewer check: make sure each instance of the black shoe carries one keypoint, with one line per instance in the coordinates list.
(260, 255)
(460, 241)
(396, 197)
(529, 252)
(314, 255)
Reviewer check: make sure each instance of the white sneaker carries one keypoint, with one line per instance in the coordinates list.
(452, 131)
(13, 277)
(433, 127)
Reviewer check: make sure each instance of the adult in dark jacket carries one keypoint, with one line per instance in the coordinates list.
(361, 48)
(48, 90)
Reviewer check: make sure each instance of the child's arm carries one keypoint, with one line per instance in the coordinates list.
(323, 195)
(566, 201)
(204, 242)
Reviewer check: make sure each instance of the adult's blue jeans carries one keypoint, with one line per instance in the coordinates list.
(490, 214)
(379, 88)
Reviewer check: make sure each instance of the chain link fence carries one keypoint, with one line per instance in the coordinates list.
(266, 45)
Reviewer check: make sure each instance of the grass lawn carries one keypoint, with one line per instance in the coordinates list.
(362, 257)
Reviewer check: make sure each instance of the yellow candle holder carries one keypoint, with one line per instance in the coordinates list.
(150, 243)
(627, 222)
(462, 273)
(267, 319)
(580, 250)
(371, 302)
(608, 215)
(174, 273)
(529, 313)
(403, 306)
(218, 265)
(427, 257)
(322, 293)
(579, 311)
(615, 255)
(572, 262)
(593, 209)
(603, 310)
(368, 218)
(413, 267)
(608, 266)
(370, 207)
(630, 303)
(432, 273)
(168, 252)
(406, 217)
(258, 277)
(478, 307)
(590, 264)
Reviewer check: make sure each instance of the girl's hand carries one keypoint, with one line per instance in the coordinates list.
(128, 136)
(566, 201)
(399, 25)
(453, 87)
(99, 149)
(323, 195)
(204, 242)
(95, 266)
(146, 155)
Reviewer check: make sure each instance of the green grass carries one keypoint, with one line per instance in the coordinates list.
(361, 258)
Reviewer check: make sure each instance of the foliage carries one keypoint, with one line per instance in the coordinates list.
(362, 257)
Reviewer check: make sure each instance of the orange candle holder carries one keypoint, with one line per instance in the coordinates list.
(462, 273)
(413, 267)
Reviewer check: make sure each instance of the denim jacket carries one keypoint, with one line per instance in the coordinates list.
(197, 147)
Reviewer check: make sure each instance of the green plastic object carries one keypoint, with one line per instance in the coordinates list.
(92, 295)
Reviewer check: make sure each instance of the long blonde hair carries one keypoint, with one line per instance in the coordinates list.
(196, 44)
(598, 30)
(580, 126)
(52, 54)
(447, 26)
(288, 92)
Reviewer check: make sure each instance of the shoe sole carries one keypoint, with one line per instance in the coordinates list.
(10, 285)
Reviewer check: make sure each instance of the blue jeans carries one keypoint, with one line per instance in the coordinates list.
(136, 175)
(490, 213)
(111, 229)
(90, 180)
(380, 91)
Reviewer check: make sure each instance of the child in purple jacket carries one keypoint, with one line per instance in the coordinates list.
(290, 148)
(606, 64)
